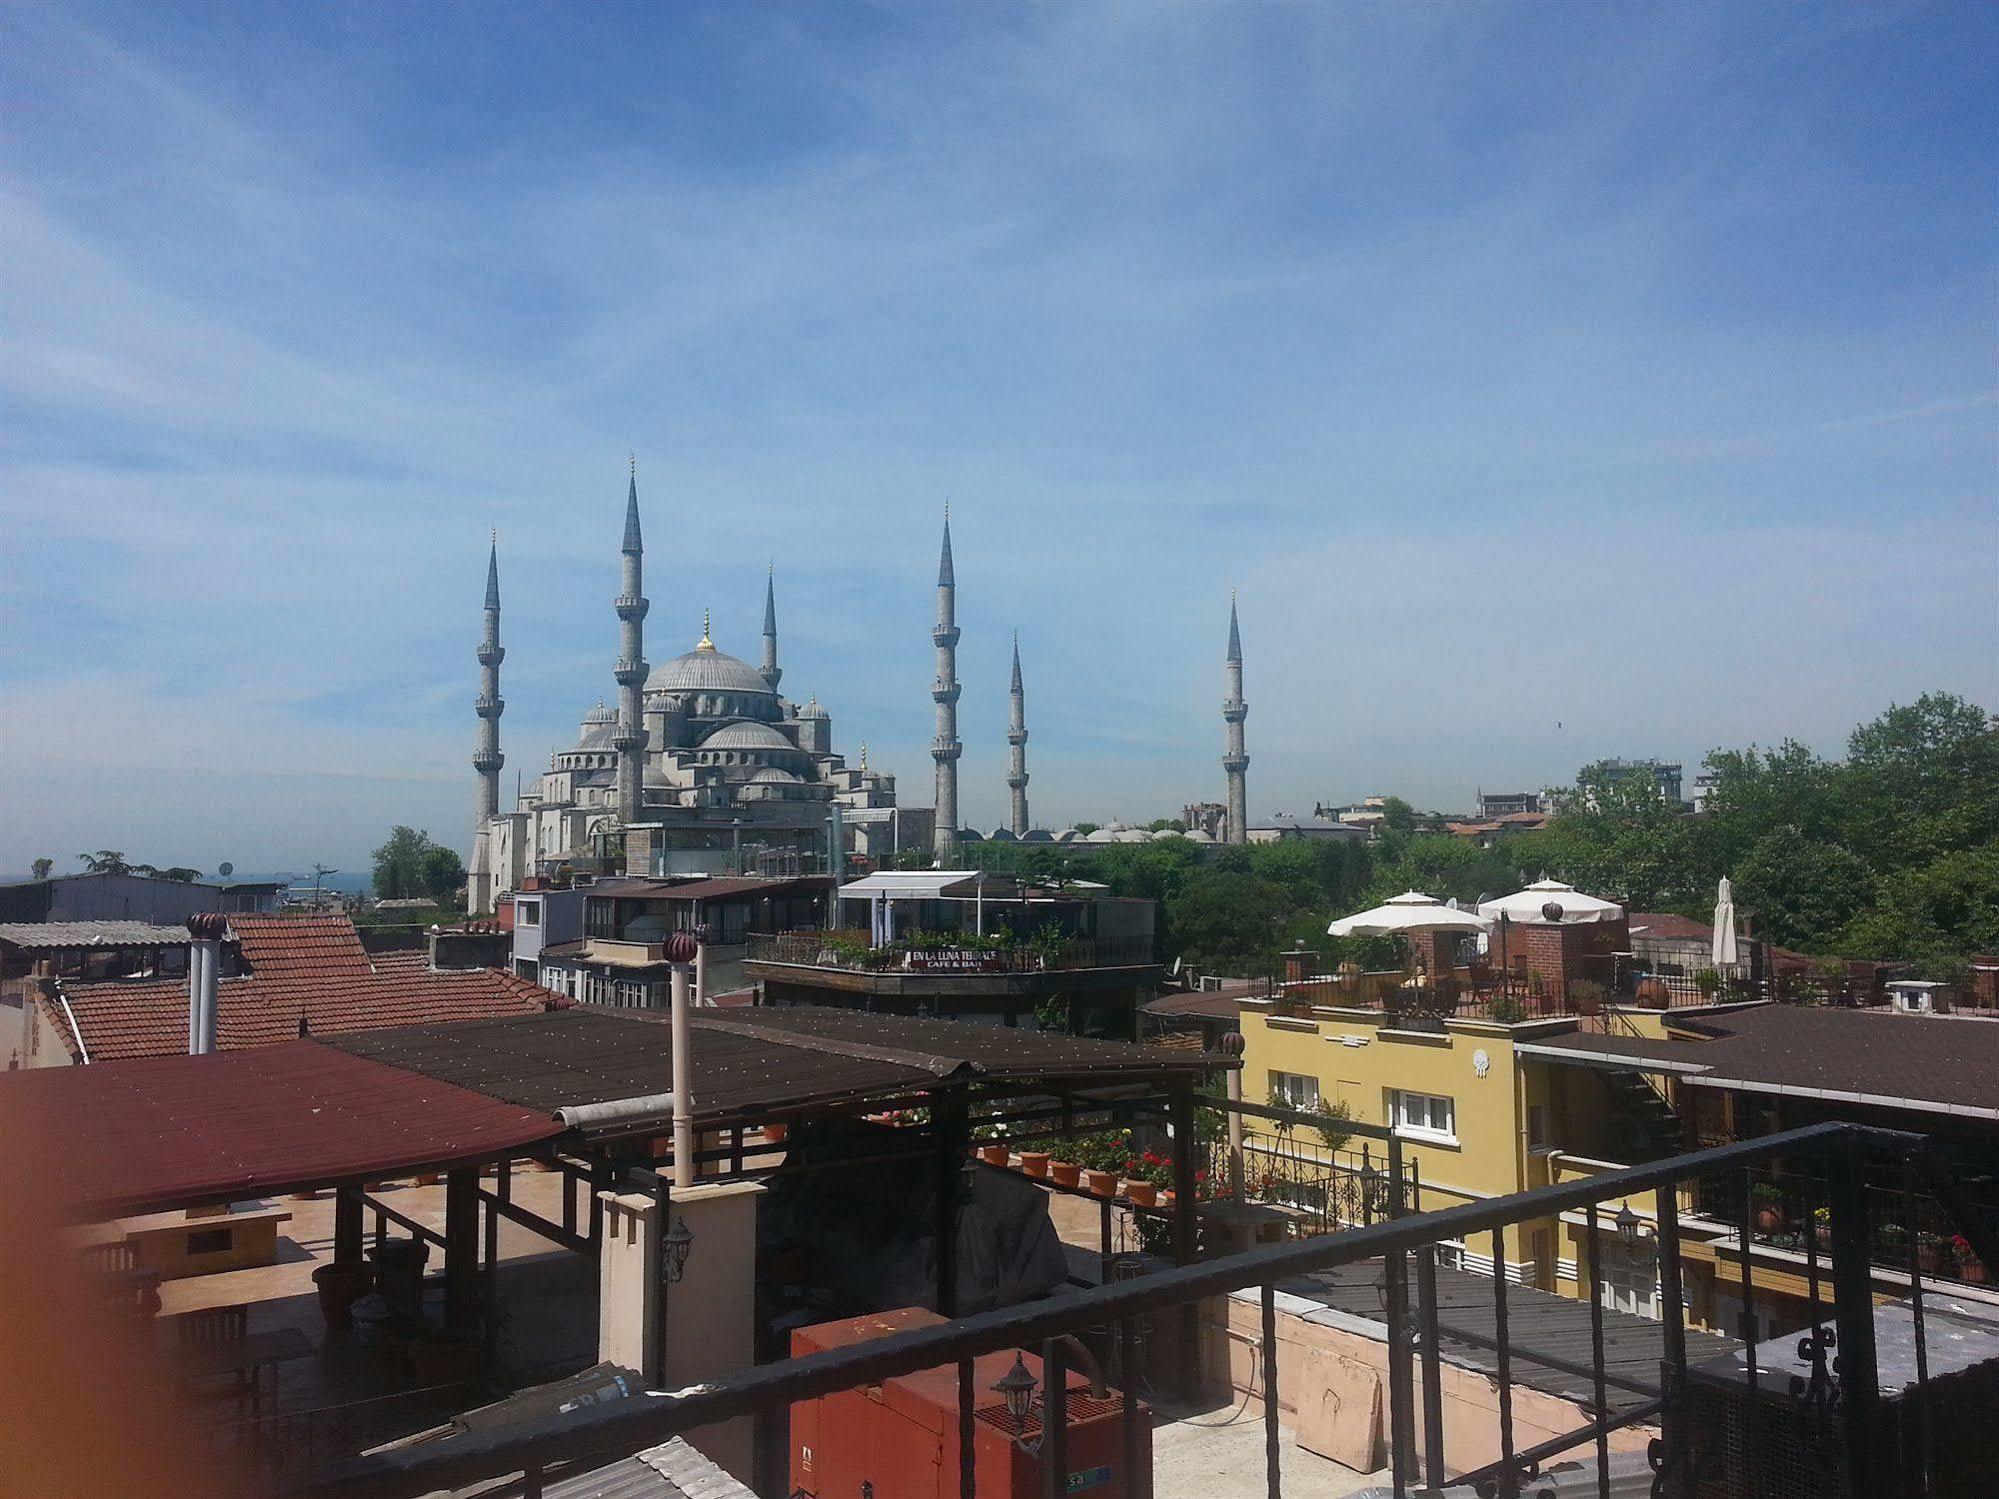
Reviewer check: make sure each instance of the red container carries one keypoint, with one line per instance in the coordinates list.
(901, 1436)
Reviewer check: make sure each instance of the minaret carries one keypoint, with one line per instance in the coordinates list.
(1234, 711)
(630, 672)
(946, 749)
(772, 673)
(1016, 736)
(487, 759)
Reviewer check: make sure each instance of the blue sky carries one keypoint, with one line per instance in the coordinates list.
(1553, 381)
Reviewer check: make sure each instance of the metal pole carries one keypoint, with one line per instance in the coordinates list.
(683, 1083)
(1853, 1313)
(662, 1214)
(1234, 1076)
(1598, 1393)
(1272, 1470)
(1055, 1418)
(968, 1462)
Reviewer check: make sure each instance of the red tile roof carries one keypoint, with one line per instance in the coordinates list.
(310, 967)
(163, 1132)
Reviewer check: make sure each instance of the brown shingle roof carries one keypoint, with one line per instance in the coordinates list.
(302, 967)
(1928, 1062)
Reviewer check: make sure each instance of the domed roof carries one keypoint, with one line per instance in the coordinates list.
(1197, 835)
(770, 775)
(744, 734)
(600, 727)
(705, 669)
(1037, 835)
(812, 710)
(1001, 835)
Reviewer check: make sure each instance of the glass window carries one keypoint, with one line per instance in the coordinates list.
(1424, 1114)
(528, 912)
(1294, 1090)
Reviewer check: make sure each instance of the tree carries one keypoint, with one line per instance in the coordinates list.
(442, 874)
(1622, 839)
(105, 861)
(43, 868)
(400, 864)
(1228, 920)
(1921, 781)
(1804, 892)
(1087, 827)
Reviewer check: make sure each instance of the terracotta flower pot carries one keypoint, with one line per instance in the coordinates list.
(1034, 1162)
(774, 1134)
(1653, 994)
(1770, 1220)
(1929, 1258)
(1971, 1269)
(1167, 1197)
(995, 1155)
(1064, 1173)
(1101, 1183)
(1142, 1194)
(340, 1285)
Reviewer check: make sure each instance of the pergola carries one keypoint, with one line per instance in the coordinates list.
(457, 1097)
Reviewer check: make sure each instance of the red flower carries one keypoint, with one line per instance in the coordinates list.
(1131, 1166)
(1200, 1176)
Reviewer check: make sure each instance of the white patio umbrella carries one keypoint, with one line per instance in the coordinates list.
(1724, 926)
(1531, 905)
(1412, 911)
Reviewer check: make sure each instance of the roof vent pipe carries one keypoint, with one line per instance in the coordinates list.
(204, 970)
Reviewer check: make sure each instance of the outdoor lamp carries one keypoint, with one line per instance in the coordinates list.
(679, 1239)
(1016, 1387)
(1627, 1226)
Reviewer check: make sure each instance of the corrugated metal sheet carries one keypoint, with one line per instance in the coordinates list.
(756, 1061)
(44, 934)
(131, 1137)
(672, 1470)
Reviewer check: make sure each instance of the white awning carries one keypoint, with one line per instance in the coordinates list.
(917, 884)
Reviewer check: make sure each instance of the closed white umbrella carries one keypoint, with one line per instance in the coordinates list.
(1724, 926)
(1412, 911)
(1534, 904)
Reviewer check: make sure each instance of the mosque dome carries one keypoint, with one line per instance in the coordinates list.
(772, 776)
(705, 669)
(745, 735)
(600, 727)
(812, 710)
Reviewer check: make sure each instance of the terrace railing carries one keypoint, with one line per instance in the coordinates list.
(823, 950)
(1828, 1422)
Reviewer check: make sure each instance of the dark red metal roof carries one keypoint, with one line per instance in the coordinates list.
(161, 1132)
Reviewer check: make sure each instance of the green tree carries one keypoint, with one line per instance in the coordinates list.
(1623, 840)
(442, 874)
(1804, 892)
(1921, 781)
(400, 864)
(43, 868)
(1229, 921)
(1937, 915)
(105, 861)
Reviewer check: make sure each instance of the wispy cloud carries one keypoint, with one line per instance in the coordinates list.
(1435, 331)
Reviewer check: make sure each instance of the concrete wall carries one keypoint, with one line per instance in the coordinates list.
(1332, 1388)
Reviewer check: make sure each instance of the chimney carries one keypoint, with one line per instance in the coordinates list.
(204, 969)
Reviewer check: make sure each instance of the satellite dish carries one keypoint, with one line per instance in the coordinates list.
(225, 869)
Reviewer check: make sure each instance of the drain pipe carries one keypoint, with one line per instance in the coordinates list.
(204, 966)
(682, 948)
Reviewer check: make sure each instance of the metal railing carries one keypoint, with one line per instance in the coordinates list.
(973, 956)
(1834, 1411)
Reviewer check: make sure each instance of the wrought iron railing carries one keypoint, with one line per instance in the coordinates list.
(1832, 1414)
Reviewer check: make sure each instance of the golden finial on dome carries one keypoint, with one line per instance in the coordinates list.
(864, 754)
(706, 644)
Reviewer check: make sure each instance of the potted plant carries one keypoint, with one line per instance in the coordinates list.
(1769, 1200)
(1929, 1252)
(1034, 1162)
(1653, 994)
(1587, 996)
(1822, 1226)
(1970, 1267)
(341, 1283)
(1100, 1183)
(1140, 1192)
(1892, 1243)
(1064, 1173)
(995, 1155)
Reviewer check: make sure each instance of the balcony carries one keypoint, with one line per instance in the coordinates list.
(1617, 1402)
(948, 953)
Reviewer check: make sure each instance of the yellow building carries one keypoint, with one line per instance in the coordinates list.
(1486, 1108)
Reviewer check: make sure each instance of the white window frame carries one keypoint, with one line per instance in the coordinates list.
(1421, 1125)
(527, 913)
(1284, 1085)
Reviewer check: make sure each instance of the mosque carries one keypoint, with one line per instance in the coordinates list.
(704, 768)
